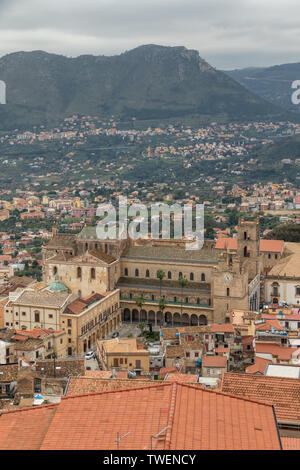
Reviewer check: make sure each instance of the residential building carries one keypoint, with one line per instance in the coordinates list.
(123, 353)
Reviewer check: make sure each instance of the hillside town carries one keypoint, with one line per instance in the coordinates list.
(150, 322)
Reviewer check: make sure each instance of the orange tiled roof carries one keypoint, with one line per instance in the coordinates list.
(214, 361)
(196, 418)
(259, 366)
(268, 246)
(100, 374)
(178, 377)
(32, 422)
(92, 384)
(290, 443)
(166, 370)
(280, 352)
(268, 324)
(281, 392)
(221, 328)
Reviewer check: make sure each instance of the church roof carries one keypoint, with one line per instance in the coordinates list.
(87, 233)
(61, 241)
(171, 254)
(287, 267)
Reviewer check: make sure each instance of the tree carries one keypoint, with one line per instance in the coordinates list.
(162, 305)
(142, 327)
(183, 282)
(160, 275)
(140, 302)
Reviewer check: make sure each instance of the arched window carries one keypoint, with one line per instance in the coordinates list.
(198, 301)
(169, 275)
(136, 273)
(93, 273)
(86, 246)
(191, 276)
(228, 292)
(180, 275)
(55, 270)
(275, 287)
(126, 271)
(79, 273)
(37, 316)
(147, 273)
(203, 277)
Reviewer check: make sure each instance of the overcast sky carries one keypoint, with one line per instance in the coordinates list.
(227, 33)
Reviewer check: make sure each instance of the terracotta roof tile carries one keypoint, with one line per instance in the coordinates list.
(277, 351)
(196, 419)
(283, 393)
(268, 325)
(268, 246)
(214, 361)
(290, 443)
(259, 366)
(182, 378)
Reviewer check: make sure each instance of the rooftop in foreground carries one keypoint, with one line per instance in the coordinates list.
(194, 418)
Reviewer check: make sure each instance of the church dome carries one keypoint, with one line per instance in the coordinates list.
(57, 285)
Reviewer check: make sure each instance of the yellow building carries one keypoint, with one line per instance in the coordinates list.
(89, 319)
(123, 353)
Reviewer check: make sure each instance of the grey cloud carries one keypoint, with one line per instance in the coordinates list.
(227, 33)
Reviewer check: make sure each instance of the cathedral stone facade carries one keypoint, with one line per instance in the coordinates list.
(221, 276)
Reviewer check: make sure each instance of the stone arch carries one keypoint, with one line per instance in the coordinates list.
(185, 319)
(194, 319)
(135, 315)
(168, 317)
(151, 316)
(176, 319)
(202, 320)
(126, 314)
(159, 317)
(143, 316)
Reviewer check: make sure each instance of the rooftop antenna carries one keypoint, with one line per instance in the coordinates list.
(157, 435)
(119, 438)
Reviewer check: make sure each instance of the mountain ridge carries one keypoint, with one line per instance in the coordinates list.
(270, 83)
(148, 82)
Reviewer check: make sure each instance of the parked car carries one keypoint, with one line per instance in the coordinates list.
(89, 355)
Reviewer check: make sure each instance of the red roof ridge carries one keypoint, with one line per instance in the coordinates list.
(28, 408)
(171, 415)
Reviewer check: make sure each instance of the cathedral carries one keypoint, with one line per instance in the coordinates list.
(223, 276)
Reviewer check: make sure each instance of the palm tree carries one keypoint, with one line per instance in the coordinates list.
(160, 275)
(162, 305)
(140, 302)
(183, 282)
